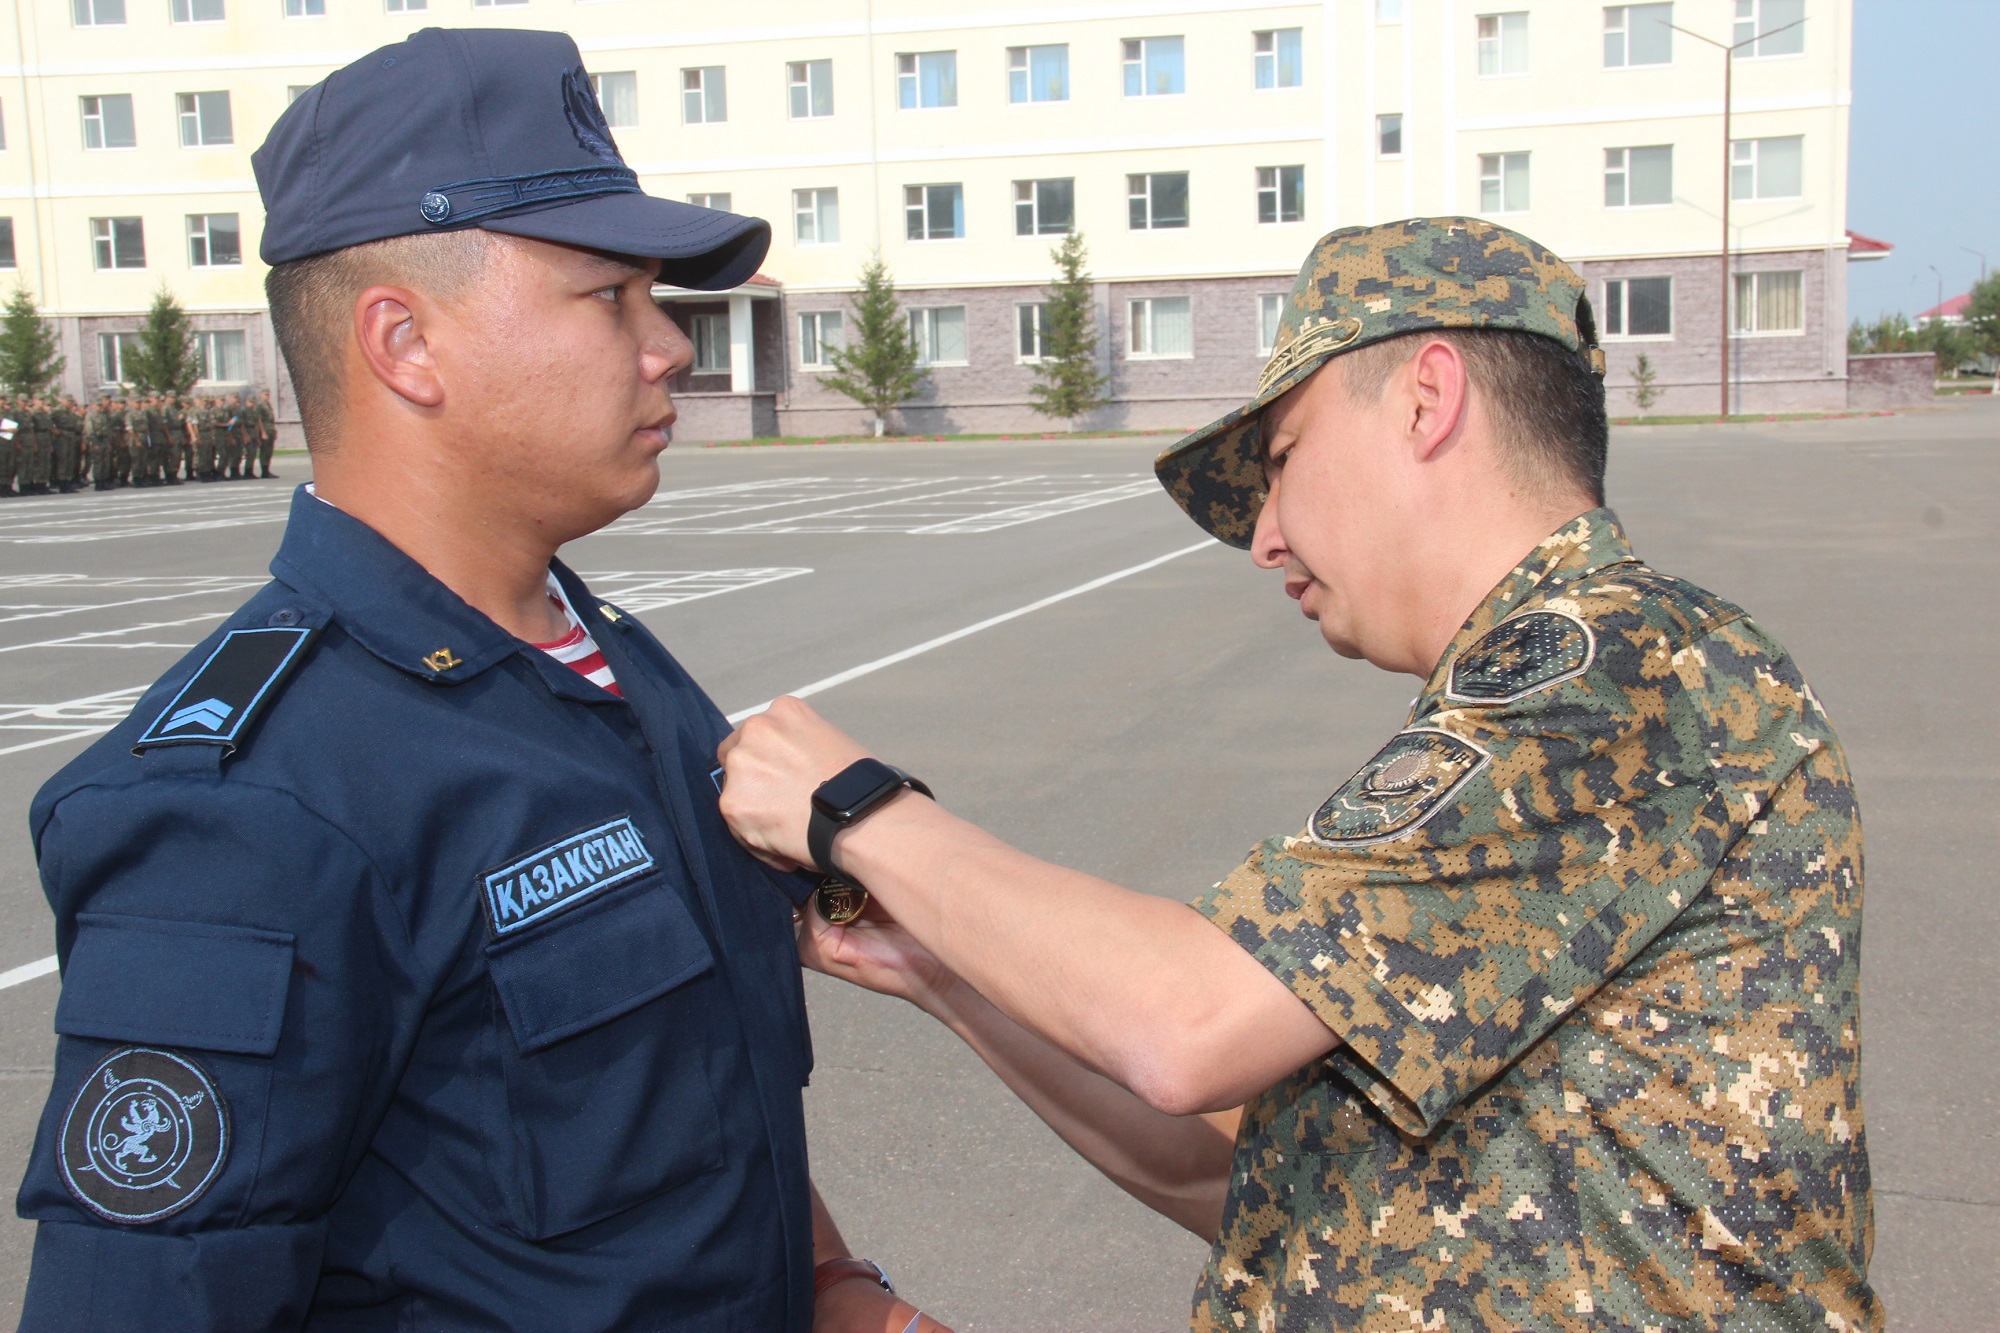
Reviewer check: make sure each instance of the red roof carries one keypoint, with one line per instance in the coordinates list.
(1866, 247)
(1952, 309)
(759, 280)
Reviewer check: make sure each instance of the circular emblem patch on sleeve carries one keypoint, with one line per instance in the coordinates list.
(145, 1136)
(1530, 652)
(1406, 783)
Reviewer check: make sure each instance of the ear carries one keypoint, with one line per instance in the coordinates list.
(1439, 395)
(389, 325)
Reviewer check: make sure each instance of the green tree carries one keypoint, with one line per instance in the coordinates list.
(29, 364)
(166, 360)
(1982, 316)
(878, 367)
(1646, 391)
(1067, 381)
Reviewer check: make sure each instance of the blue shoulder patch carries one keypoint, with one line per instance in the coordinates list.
(239, 677)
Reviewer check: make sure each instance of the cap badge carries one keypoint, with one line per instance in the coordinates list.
(443, 660)
(435, 207)
(1315, 338)
(586, 118)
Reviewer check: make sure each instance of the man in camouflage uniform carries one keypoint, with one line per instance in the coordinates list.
(9, 438)
(36, 446)
(267, 435)
(1548, 1017)
(68, 468)
(99, 456)
(179, 413)
(229, 459)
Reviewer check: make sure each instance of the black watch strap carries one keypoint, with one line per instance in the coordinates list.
(824, 824)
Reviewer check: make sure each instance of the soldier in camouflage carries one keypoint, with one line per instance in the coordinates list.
(1548, 1017)
(267, 436)
(10, 434)
(68, 468)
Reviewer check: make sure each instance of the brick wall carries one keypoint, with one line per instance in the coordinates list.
(1891, 379)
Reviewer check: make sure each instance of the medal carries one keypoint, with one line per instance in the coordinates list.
(838, 901)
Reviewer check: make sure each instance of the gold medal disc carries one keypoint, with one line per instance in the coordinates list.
(838, 901)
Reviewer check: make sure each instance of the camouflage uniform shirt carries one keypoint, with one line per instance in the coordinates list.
(1588, 929)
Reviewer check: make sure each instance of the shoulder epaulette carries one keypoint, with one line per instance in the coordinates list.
(243, 674)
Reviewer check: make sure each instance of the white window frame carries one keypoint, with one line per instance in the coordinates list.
(405, 6)
(1382, 129)
(1616, 303)
(1748, 155)
(183, 11)
(200, 231)
(104, 233)
(488, 4)
(1268, 57)
(910, 70)
(720, 200)
(1138, 64)
(206, 343)
(1270, 313)
(294, 91)
(1142, 329)
(1751, 18)
(1030, 325)
(704, 99)
(709, 332)
(83, 13)
(812, 210)
(1028, 197)
(1135, 191)
(1388, 11)
(84, 108)
(1502, 44)
(1021, 85)
(193, 112)
(1618, 30)
(815, 344)
(628, 82)
(1755, 284)
(113, 349)
(802, 80)
(1271, 185)
(9, 257)
(924, 323)
(1618, 166)
(316, 9)
(917, 206)
(1497, 174)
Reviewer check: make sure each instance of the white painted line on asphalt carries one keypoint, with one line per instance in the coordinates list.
(855, 673)
(93, 638)
(14, 976)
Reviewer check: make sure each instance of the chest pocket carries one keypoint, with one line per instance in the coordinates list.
(607, 1094)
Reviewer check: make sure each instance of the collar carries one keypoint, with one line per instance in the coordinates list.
(390, 604)
(1579, 548)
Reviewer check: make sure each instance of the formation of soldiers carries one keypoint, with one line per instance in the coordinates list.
(52, 446)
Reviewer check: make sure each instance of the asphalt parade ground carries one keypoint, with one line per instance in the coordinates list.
(1033, 628)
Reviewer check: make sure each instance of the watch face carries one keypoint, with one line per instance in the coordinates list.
(855, 787)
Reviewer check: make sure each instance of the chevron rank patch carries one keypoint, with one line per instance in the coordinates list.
(216, 707)
(1406, 783)
(1528, 652)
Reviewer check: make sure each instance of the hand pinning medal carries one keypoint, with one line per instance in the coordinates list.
(838, 902)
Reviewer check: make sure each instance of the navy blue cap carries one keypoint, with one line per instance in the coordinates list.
(478, 127)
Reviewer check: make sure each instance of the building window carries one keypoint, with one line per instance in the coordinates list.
(1755, 16)
(96, 13)
(1281, 194)
(1158, 200)
(118, 242)
(1389, 136)
(294, 91)
(114, 353)
(1638, 35)
(1638, 177)
(1270, 310)
(820, 336)
(1155, 67)
(487, 4)
(107, 121)
(197, 11)
(811, 83)
(1503, 182)
(7, 243)
(718, 201)
(939, 332)
(1030, 325)
(316, 9)
(1639, 308)
(933, 212)
(1038, 74)
(205, 120)
(1767, 168)
(224, 356)
(1281, 58)
(215, 240)
(1161, 326)
(704, 95)
(1044, 208)
(816, 216)
(926, 79)
(1768, 303)
(711, 344)
(1388, 11)
(617, 97)
(1503, 44)
(406, 6)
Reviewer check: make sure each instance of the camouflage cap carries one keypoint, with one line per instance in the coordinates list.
(1359, 286)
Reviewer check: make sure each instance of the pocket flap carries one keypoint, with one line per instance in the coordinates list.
(595, 962)
(176, 983)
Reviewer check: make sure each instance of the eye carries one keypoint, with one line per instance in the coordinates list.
(615, 293)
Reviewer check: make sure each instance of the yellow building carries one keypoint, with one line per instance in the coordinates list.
(1200, 148)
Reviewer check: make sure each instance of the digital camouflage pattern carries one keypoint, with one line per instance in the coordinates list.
(1597, 995)
(1358, 286)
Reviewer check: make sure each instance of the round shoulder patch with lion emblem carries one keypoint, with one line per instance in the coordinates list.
(1407, 782)
(146, 1135)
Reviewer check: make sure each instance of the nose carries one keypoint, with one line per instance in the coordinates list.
(664, 351)
(1267, 542)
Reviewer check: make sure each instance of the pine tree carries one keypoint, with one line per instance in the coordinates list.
(1646, 391)
(166, 360)
(878, 367)
(28, 361)
(1067, 381)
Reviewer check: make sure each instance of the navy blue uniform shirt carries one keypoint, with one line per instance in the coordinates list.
(444, 999)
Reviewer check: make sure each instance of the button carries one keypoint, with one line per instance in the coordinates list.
(285, 615)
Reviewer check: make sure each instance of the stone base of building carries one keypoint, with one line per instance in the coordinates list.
(706, 417)
(1891, 379)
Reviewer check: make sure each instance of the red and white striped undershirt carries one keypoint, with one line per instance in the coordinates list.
(576, 649)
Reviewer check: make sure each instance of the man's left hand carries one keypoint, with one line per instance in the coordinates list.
(774, 762)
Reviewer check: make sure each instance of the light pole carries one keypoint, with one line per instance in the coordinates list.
(1937, 312)
(1981, 256)
(1728, 88)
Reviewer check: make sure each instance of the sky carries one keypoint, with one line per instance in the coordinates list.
(1923, 173)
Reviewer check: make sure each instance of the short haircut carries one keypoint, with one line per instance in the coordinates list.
(312, 306)
(1547, 403)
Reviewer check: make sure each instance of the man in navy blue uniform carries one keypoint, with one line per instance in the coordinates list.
(410, 976)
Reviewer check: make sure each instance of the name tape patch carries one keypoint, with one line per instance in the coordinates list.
(564, 873)
(217, 706)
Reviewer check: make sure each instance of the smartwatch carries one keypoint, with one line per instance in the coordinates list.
(848, 797)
